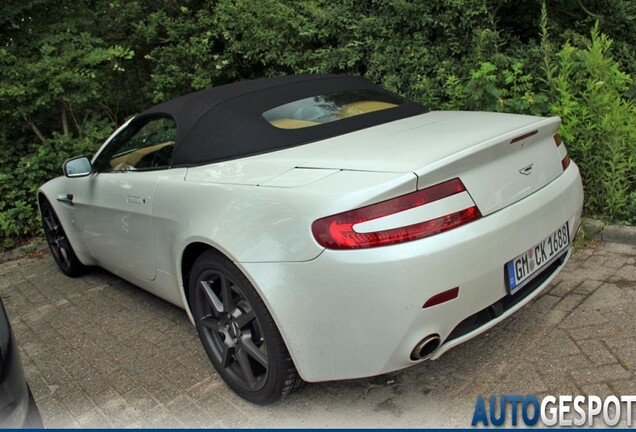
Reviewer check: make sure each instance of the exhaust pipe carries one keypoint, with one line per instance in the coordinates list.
(425, 348)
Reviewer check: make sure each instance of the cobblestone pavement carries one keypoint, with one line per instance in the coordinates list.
(99, 352)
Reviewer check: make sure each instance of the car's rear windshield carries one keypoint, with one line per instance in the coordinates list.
(316, 110)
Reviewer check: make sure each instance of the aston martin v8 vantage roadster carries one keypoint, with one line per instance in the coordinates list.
(319, 227)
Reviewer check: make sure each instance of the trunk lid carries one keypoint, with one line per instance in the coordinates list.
(437, 146)
(482, 149)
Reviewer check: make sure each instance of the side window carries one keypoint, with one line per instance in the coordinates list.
(142, 145)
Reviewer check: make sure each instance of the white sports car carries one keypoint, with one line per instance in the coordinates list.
(318, 227)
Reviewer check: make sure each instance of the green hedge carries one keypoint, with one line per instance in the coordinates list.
(69, 75)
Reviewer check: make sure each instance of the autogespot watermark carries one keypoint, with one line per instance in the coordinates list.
(564, 410)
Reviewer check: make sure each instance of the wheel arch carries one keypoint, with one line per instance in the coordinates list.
(194, 248)
(197, 246)
(41, 197)
(189, 255)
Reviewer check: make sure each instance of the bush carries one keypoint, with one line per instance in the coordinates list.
(598, 124)
(581, 83)
(19, 218)
(449, 54)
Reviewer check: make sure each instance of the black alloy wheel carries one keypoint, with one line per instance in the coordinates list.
(238, 333)
(58, 242)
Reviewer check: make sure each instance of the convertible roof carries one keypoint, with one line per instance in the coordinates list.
(226, 122)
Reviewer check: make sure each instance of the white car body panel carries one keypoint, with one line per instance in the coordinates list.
(385, 288)
(272, 223)
(114, 214)
(352, 313)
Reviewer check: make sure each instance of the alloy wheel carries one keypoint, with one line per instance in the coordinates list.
(232, 331)
(56, 238)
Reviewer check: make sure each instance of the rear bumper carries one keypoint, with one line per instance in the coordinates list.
(356, 313)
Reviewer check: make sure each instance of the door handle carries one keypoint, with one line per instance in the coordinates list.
(135, 199)
(65, 198)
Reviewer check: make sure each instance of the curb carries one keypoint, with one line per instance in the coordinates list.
(30, 248)
(596, 229)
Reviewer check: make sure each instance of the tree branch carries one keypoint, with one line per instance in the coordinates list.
(64, 122)
(35, 128)
(592, 14)
(75, 122)
(108, 112)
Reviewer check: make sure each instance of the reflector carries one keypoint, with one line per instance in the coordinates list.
(442, 297)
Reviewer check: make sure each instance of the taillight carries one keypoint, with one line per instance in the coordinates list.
(563, 151)
(338, 231)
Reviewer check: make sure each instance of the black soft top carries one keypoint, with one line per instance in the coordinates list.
(226, 122)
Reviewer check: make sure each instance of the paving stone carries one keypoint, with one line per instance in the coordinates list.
(546, 302)
(626, 355)
(562, 387)
(565, 286)
(598, 353)
(557, 343)
(601, 390)
(94, 385)
(595, 272)
(554, 366)
(626, 387)
(627, 273)
(140, 399)
(570, 302)
(601, 374)
(580, 334)
(79, 403)
(121, 382)
(93, 419)
(524, 380)
(588, 286)
(607, 298)
(99, 352)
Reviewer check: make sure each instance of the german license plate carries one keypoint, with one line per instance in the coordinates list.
(520, 270)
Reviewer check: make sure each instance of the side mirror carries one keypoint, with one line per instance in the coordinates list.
(78, 167)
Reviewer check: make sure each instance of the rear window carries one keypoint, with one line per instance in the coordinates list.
(327, 108)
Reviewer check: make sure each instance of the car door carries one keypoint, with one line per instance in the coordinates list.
(114, 205)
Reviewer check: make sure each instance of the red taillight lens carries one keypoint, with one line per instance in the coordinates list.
(336, 232)
(565, 158)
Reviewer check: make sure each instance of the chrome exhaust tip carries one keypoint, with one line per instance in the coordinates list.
(426, 347)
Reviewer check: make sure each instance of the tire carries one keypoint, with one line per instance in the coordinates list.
(238, 332)
(61, 248)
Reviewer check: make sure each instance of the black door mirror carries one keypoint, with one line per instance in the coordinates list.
(78, 167)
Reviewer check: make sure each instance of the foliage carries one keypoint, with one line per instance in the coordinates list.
(18, 186)
(598, 124)
(71, 71)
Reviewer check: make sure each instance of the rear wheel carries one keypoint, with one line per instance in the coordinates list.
(61, 248)
(238, 333)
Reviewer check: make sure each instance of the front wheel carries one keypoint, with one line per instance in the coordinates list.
(238, 333)
(58, 242)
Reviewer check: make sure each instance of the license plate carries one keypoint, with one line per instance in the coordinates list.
(520, 270)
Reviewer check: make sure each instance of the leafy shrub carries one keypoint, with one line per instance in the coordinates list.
(598, 124)
(584, 85)
(18, 185)
(58, 70)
